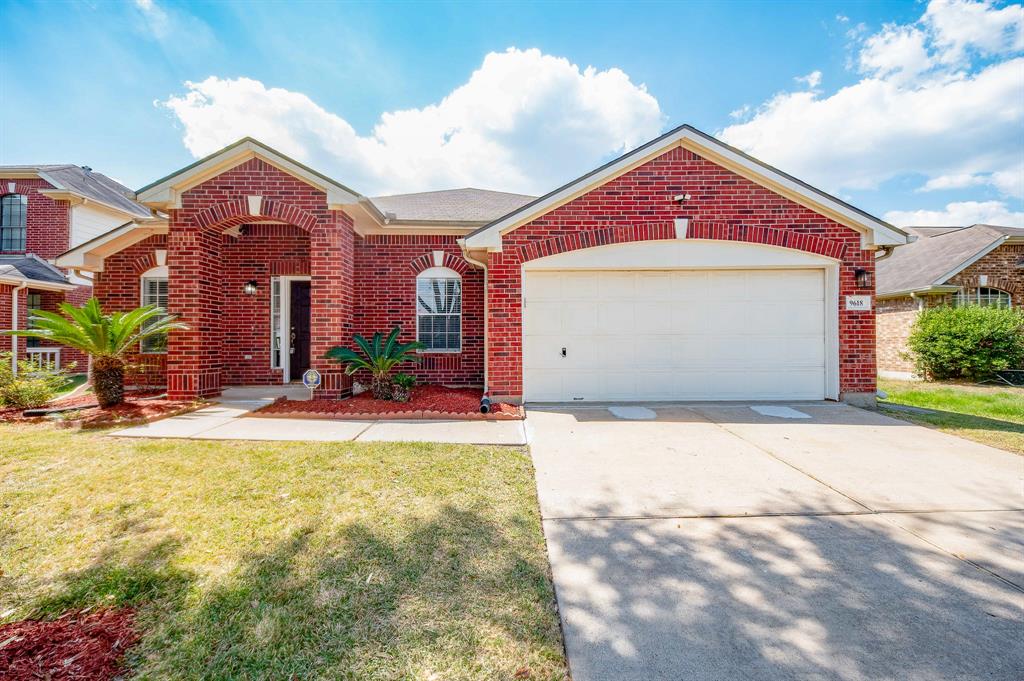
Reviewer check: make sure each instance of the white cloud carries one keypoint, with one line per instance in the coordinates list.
(524, 121)
(176, 31)
(960, 26)
(959, 213)
(923, 107)
(811, 80)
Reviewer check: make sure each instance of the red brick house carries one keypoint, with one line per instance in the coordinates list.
(975, 265)
(681, 270)
(44, 211)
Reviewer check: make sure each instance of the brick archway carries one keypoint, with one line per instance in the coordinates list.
(237, 212)
(426, 261)
(997, 282)
(698, 229)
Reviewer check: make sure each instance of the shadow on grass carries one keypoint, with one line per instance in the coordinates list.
(952, 419)
(451, 594)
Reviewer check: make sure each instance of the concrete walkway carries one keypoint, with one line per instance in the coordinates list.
(716, 542)
(223, 421)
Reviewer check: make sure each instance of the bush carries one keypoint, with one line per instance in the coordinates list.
(32, 387)
(967, 342)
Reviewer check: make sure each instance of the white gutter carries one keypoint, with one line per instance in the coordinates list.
(482, 265)
(14, 326)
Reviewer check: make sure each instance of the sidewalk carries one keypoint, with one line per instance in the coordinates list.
(222, 421)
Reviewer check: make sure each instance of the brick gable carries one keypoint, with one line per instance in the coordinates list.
(640, 205)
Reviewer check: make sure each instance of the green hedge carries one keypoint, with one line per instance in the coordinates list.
(967, 342)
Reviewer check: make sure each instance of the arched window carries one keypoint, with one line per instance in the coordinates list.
(985, 296)
(439, 310)
(12, 222)
(154, 292)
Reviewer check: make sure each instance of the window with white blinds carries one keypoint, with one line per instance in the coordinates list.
(439, 313)
(154, 292)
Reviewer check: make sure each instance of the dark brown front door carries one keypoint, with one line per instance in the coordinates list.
(299, 358)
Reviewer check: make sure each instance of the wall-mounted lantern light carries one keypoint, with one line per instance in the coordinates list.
(863, 278)
(251, 287)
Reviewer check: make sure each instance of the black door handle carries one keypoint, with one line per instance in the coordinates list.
(563, 352)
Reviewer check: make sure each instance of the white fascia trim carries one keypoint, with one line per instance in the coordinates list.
(921, 291)
(879, 233)
(90, 255)
(970, 261)
(34, 283)
(167, 193)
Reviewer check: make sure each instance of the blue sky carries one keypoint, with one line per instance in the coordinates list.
(912, 111)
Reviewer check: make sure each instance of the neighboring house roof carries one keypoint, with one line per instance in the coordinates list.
(938, 254)
(450, 205)
(876, 231)
(32, 270)
(84, 183)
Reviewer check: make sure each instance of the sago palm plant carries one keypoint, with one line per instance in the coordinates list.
(378, 356)
(106, 338)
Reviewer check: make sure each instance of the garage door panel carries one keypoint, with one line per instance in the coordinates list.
(674, 335)
(617, 316)
(578, 285)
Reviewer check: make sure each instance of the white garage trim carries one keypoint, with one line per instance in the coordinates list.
(693, 255)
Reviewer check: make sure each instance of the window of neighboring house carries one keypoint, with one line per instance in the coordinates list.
(33, 302)
(984, 296)
(154, 292)
(439, 310)
(12, 222)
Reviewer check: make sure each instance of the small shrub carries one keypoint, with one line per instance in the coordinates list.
(402, 385)
(967, 342)
(32, 387)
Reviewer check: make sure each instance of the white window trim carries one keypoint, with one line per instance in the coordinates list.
(286, 322)
(439, 273)
(157, 273)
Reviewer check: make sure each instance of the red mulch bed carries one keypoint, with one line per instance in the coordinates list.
(427, 402)
(134, 410)
(78, 645)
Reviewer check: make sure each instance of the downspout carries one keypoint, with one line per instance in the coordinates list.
(14, 326)
(487, 320)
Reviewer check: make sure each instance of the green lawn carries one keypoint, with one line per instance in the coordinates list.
(268, 560)
(993, 415)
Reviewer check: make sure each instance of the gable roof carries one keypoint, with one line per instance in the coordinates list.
(937, 255)
(166, 192)
(84, 182)
(450, 205)
(32, 270)
(876, 231)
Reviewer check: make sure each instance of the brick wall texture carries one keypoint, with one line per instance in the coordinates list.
(367, 284)
(47, 235)
(639, 205)
(1004, 268)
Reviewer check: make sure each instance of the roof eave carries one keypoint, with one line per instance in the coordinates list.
(91, 255)
(166, 192)
(919, 291)
(876, 232)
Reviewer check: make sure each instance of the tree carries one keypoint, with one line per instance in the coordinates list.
(106, 338)
(379, 357)
(970, 342)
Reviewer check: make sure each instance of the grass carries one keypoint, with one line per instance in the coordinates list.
(284, 560)
(74, 381)
(990, 414)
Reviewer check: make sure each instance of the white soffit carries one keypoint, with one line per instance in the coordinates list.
(166, 192)
(875, 231)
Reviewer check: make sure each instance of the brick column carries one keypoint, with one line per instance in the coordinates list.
(194, 294)
(332, 256)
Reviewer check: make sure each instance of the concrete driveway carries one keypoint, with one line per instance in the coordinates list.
(716, 542)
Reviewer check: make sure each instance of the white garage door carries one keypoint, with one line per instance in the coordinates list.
(674, 335)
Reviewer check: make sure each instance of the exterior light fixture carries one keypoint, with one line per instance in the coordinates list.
(863, 278)
(251, 287)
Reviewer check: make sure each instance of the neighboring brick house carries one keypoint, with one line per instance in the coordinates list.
(976, 265)
(681, 270)
(44, 211)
